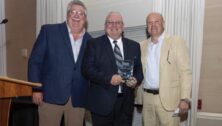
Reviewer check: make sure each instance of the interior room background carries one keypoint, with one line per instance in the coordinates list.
(199, 22)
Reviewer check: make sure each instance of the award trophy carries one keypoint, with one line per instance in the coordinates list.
(126, 69)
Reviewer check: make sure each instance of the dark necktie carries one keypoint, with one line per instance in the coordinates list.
(119, 58)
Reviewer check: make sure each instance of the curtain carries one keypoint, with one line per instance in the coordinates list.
(2, 40)
(50, 12)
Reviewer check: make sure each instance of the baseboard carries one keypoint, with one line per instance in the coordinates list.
(211, 116)
(209, 119)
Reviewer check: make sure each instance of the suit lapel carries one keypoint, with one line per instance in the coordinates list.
(165, 51)
(65, 34)
(125, 49)
(82, 48)
(108, 48)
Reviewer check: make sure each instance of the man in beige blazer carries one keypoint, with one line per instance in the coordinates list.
(167, 75)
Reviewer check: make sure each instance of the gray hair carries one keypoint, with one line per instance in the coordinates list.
(75, 2)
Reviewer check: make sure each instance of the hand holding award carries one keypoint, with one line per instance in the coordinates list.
(126, 72)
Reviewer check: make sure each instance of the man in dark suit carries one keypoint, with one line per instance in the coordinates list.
(110, 97)
(55, 62)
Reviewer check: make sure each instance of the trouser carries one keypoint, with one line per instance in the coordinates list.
(51, 114)
(118, 116)
(154, 114)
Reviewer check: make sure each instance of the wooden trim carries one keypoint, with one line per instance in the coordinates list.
(5, 110)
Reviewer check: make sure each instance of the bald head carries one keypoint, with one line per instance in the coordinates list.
(113, 14)
(155, 14)
(155, 25)
(114, 25)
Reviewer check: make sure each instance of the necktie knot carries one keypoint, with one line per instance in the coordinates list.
(115, 42)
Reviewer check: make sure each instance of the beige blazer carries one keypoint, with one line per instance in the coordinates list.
(175, 73)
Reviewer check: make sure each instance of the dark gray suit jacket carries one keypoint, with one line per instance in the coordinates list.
(99, 66)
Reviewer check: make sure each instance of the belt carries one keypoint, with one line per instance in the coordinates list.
(154, 92)
(120, 95)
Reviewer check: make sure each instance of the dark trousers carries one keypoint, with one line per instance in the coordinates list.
(118, 117)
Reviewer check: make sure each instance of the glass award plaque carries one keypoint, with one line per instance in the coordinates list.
(126, 69)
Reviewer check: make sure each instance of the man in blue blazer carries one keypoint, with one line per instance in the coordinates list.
(110, 97)
(55, 62)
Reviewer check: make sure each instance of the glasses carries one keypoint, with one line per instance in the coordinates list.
(79, 13)
(114, 22)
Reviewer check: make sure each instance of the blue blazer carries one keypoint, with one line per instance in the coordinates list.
(99, 65)
(52, 64)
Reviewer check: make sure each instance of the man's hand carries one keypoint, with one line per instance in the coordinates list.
(37, 98)
(183, 106)
(131, 82)
(116, 80)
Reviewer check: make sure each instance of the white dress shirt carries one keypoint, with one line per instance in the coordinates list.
(76, 44)
(120, 45)
(151, 78)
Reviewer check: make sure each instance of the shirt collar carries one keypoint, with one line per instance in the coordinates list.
(118, 40)
(160, 39)
(70, 32)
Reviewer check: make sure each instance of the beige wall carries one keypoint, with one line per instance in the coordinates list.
(210, 90)
(20, 34)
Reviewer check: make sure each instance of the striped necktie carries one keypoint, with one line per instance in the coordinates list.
(119, 58)
(117, 54)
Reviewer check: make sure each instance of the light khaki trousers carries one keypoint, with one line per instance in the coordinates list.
(154, 114)
(51, 114)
